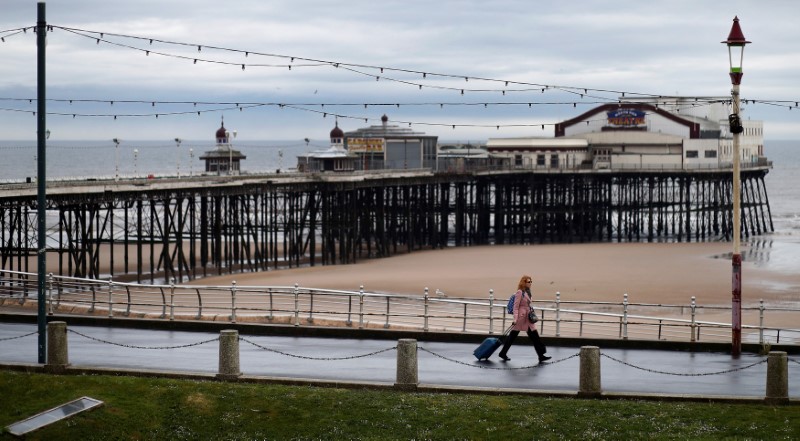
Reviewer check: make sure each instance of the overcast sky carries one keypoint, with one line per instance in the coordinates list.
(656, 48)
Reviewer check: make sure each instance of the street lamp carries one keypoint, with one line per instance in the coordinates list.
(191, 160)
(178, 156)
(116, 159)
(135, 163)
(736, 43)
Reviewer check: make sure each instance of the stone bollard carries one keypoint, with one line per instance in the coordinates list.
(57, 353)
(777, 378)
(229, 355)
(589, 372)
(407, 375)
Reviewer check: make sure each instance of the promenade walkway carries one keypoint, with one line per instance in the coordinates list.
(370, 361)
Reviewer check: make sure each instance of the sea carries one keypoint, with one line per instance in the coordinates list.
(80, 160)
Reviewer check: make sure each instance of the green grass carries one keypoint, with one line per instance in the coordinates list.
(170, 409)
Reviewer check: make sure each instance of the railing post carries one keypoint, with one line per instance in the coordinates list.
(777, 378)
(625, 317)
(310, 318)
(57, 352)
(296, 305)
(693, 327)
(199, 304)
(464, 322)
(233, 301)
(229, 355)
(388, 301)
(172, 300)
(50, 293)
(127, 301)
(270, 316)
(349, 322)
(558, 314)
(361, 307)
(94, 297)
(761, 321)
(110, 298)
(425, 313)
(407, 371)
(491, 311)
(589, 382)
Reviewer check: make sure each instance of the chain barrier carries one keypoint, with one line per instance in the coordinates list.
(549, 362)
(144, 347)
(19, 336)
(305, 357)
(685, 374)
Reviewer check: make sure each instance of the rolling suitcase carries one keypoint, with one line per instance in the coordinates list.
(487, 348)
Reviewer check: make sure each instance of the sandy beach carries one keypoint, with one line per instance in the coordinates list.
(667, 273)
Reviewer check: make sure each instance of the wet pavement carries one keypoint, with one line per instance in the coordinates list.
(440, 364)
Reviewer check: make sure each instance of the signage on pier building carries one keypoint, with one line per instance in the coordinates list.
(626, 118)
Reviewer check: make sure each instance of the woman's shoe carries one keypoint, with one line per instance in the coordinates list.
(544, 358)
(505, 357)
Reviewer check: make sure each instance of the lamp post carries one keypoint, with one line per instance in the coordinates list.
(736, 43)
(116, 159)
(230, 150)
(191, 160)
(135, 163)
(178, 156)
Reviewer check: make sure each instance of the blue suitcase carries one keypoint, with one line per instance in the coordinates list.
(487, 348)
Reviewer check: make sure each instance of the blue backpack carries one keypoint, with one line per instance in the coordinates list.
(510, 306)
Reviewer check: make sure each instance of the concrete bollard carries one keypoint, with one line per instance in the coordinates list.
(777, 378)
(57, 351)
(407, 375)
(229, 355)
(589, 385)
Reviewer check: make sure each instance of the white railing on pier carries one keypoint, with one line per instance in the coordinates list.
(304, 306)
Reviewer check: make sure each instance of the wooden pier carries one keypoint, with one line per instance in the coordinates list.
(191, 227)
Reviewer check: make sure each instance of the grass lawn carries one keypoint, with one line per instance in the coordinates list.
(169, 409)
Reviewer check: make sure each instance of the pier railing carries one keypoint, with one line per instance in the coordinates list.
(428, 311)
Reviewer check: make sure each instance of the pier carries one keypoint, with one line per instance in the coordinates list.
(189, 227)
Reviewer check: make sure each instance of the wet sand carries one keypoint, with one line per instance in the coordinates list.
(665, 273)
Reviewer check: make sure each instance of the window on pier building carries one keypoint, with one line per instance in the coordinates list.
(553, 161)
(691, 154)
(540, 160)
(711, 153)
(518, 160)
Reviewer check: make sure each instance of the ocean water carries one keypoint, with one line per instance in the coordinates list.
(779, 250)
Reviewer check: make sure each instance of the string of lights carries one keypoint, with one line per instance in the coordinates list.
(350, 67)
(100, 36)
(11, 32)
(353, 67)
(582, 92)
(304, 108)
(343, 104)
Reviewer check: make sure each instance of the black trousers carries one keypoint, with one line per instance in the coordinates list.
(533, 335)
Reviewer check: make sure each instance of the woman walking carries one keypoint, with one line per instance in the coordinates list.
(522, 305)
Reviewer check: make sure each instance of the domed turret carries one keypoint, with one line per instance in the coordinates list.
(337, 135)
(337, 132)
(222, 135)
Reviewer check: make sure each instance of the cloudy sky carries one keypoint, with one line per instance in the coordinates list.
(428, 65)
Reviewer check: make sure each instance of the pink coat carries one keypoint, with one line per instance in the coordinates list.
(522, 304)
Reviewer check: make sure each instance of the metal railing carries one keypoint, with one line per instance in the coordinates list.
(302, 306)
